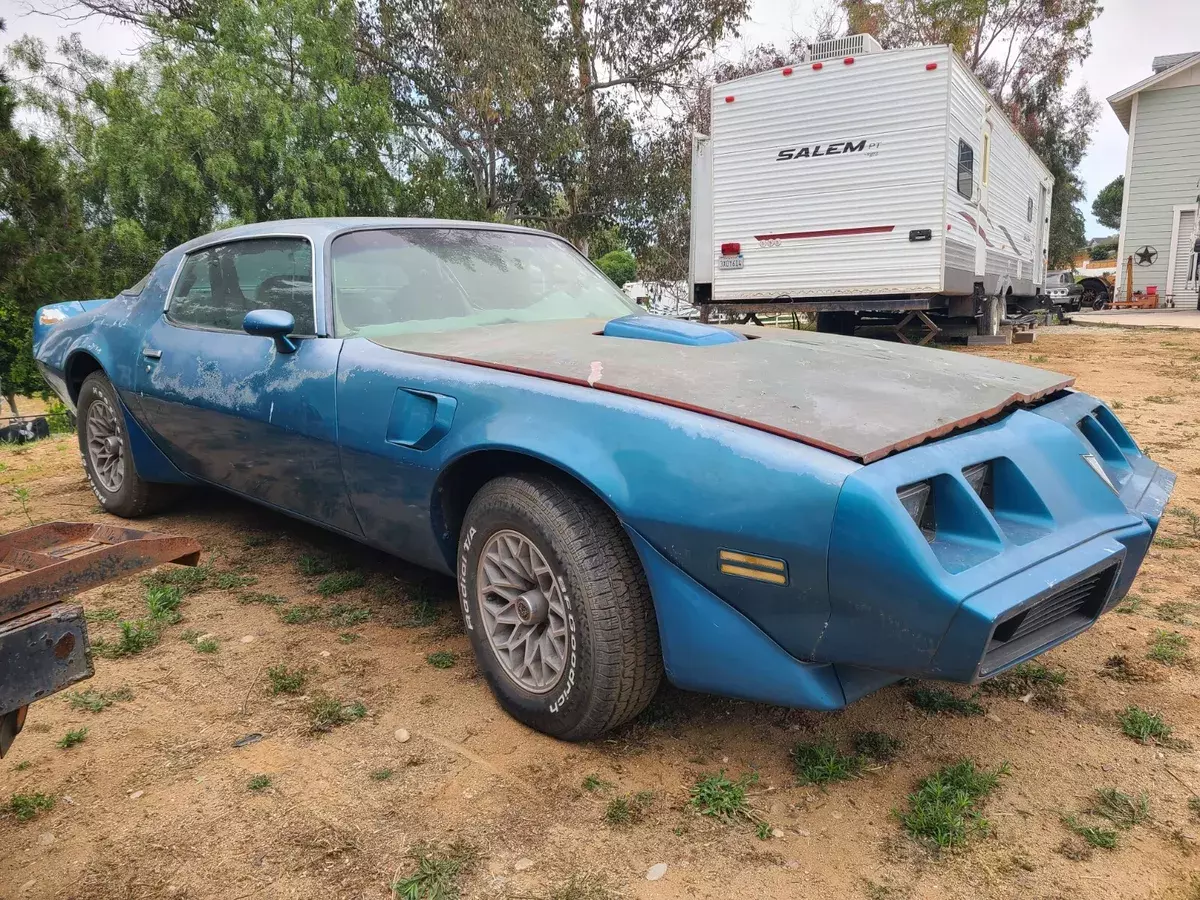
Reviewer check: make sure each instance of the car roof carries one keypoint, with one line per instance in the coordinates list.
(319, 229)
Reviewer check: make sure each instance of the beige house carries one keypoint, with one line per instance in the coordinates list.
(1160, 213)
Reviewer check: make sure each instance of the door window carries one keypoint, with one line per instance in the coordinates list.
(219, 285)
(966, 169)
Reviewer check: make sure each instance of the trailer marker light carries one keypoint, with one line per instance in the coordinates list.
(929, 67)
(733, 248)
(787, 71)
(729, 99)
(818, 66)
(849, 60)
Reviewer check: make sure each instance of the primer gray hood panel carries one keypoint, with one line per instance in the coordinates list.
(858, 398)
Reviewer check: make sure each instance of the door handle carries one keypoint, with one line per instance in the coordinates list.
(151, 354)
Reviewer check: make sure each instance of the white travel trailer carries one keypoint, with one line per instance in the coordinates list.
(862, 180)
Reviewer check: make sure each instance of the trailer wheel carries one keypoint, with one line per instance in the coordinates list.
(837, 322)
(991, 311)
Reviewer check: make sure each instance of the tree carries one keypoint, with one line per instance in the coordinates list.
(535, 100)
(1107, 205)
(619, 265)
(44, 256)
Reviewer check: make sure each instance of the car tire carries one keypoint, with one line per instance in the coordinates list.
(107, 457)
(991, 313)
(558, 574)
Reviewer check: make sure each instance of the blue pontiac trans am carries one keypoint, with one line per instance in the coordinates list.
(776, 515)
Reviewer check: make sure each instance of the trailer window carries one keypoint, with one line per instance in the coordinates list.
(1029, 211)
(966, 169)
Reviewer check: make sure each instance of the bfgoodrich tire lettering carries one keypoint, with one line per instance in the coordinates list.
(612, 664)
(119, 490)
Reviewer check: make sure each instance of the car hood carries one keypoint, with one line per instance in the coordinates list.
(861, 399)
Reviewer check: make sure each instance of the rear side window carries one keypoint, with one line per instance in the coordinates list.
(219, 285)
(966, 169)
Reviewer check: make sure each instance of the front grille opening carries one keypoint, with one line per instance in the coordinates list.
(1062, 612)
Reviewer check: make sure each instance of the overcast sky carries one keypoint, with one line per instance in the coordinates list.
(1125, 38)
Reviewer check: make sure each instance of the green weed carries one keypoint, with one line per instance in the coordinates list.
(763, 831)
(315, 564)
(259, 783)
(162, 602)
(104, 614)
(442, 659)
(1177, 611)
(721, 798)
(188, 579)
(24, 807)
(1097, 836)
(71, 738)
(23, 765)
(1130, 604)
(339, 583)
(206, 645)
(437, 872)
(381, 774)
(1190, 518)
(584, 887)
(1193, 807)
(300, 615)
(944, 810)
(1143, 726)
(326, 713)
(134, 637)
(229, 581)
(347, 616)
(95, 701)
(820, 762)
(347, 637)
(1121, 809)
(594, 782)
(1028, 678)
(627, 810)
(877, 745)
(1171, 543)
(1168, 647)
(936, 700)
(286, 681)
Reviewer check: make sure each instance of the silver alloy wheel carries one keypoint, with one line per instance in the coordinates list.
(523, 611)
(104, 445)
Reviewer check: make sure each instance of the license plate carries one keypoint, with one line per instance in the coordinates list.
(731, 262)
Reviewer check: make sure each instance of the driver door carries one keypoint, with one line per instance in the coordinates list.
(234, 409)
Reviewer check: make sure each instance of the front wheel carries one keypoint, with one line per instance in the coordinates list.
(107, 459)
(557, 607)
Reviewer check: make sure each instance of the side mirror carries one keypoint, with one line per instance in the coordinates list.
(272, 323)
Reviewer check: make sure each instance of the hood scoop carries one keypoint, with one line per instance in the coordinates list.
(670, 331)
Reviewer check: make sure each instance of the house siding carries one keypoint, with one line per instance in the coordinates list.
(1164, 170)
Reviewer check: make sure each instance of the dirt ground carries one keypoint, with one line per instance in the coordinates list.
(156, 800)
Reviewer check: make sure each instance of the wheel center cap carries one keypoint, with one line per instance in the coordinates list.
(532, 608)
(111, 444)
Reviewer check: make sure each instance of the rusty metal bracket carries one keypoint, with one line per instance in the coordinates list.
(42, 565)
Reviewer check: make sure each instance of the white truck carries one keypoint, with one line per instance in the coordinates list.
(862, 182)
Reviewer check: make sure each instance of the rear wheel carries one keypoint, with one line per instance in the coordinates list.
(107, 459)
(557, 607)
(991, 312)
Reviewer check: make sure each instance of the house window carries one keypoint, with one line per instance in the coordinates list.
(966, 169)
(1029, 211)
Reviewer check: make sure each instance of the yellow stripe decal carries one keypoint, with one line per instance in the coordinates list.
(763, 562)
(756, 574)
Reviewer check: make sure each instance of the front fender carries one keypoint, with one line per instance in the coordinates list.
(758, 494)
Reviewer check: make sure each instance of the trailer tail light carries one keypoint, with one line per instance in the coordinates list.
(732, 248)
(787, 71)
(849, 60)
(817, 66)
(929, 67)
(729, 99)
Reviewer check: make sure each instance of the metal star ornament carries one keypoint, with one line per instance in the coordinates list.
(1146, 256)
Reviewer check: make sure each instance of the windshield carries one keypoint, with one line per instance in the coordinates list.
(420, 280)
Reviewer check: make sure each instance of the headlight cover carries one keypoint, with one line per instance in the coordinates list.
(52, 316)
